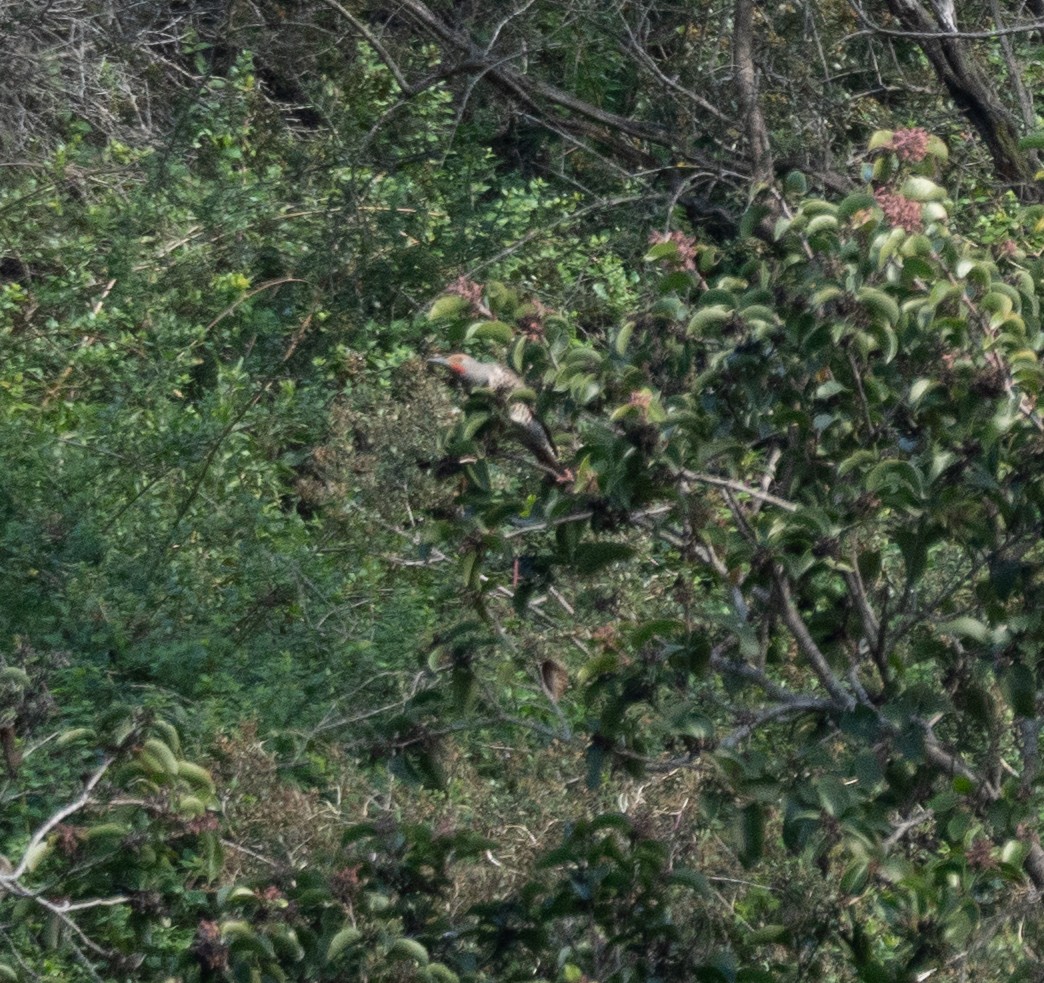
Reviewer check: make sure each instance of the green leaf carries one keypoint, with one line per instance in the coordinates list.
(692, 879)
(855, 877)
(14, 676)
(751, 833)
(1032, 141)
(918, 188)
(74, 736)
(856, 461)
(34, 856)
(1014, 852)
(887, 244)
(623, 338)
(822, 223)
(879, 139)
(474, 423)
(491, 330)
(856, 202)
(667, 628)
(671, 307)
(196, 776)
(662, 250)
(285, 942)
(767, 934)
(878, 303)
(752, 218)
(1019, 687)
(833, 796)
(447, 306)
(937, 148)
(590, 557)
(893, 476)
(830, 388)
(796, 183)
(163, 754)
(677, 281)
(689, 721)
(966, 627)
(708, 317)
(440, 973)
(595, 762)
(920, 389)
(105, 831)
(239, 894)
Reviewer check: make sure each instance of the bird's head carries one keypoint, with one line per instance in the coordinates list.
(458, 364)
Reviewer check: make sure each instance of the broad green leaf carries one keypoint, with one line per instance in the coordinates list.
(922, 189)
(920, 389)
(708, 317)
(196, 776)
(937, 148)
(409, 949)
(1032, 141)
(751, 833)
(449, 305)
(880, 138)
(662, 250)
(595, 761)
(590, 557)
(878, 303)
(1019, 686)
(822, 223)
(966, 627)
(623, 338)
(692, 879)
(492, 330)
(75, 735)
(856, 202)
(440, 973)
(767, 934)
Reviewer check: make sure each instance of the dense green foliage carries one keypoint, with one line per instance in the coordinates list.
(308, 671)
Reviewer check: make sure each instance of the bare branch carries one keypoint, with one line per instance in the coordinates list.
(871, 25)
(738, 486)
(808, 646)
(795, 706)
(59, 817)
(374, 42)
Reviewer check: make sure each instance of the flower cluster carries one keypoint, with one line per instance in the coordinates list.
(911, 145)
(686, 246)
(531, 320)
(468, 289)
(899, 211)
(642, 399)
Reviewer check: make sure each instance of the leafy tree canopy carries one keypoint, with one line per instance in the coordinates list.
(310, 671)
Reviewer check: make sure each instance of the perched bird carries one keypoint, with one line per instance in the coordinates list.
(503, 384)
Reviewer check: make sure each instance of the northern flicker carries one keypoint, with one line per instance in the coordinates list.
(503, 384)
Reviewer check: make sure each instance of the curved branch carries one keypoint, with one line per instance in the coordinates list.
(799, 704)
(624, 134)
(6, 880)
(374, 42)
(738, 486)
(807, 645)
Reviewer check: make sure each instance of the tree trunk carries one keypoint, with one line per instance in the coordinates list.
(747, 92)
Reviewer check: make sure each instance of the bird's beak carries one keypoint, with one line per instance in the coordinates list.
(438, 360)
